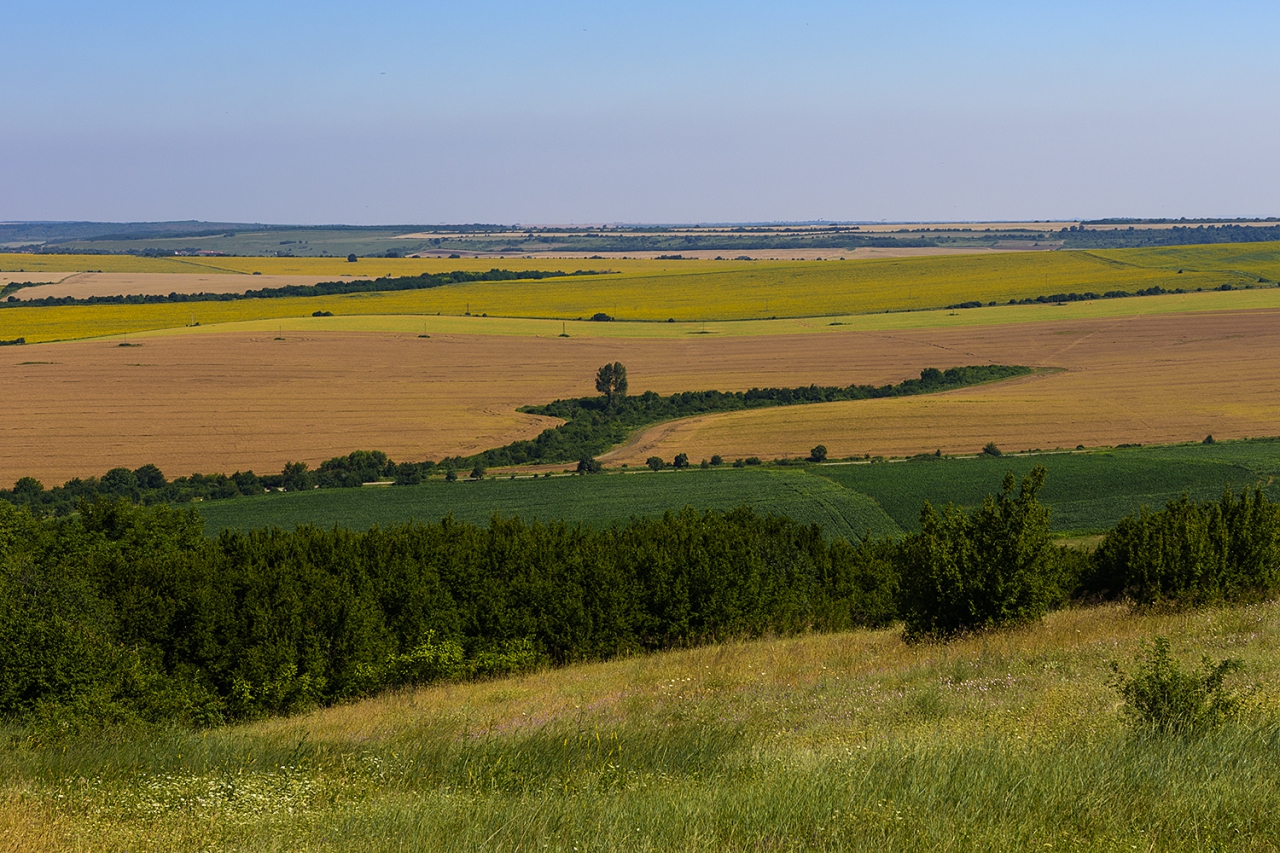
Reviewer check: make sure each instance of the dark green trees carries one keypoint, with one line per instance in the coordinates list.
(1193, 553)
(993, 568)
(611, 381)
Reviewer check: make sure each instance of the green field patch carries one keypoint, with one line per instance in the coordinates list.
(1084, 491)
(597, 501)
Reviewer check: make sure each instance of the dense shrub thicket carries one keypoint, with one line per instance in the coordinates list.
(1193, 553)
(123, 612)
(126, 611)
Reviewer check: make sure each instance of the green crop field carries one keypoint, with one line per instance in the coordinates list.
(1085, 491)
(595, 500)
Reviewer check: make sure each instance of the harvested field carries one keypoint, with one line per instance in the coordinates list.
(235, 401)
(227, 402)
(83, 285)
(1126, 380)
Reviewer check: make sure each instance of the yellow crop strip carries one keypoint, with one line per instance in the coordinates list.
(685, 291)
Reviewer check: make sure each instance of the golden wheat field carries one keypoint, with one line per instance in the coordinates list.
(222, 402)
(1140, 379)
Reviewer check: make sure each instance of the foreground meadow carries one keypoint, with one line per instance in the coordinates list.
(1012, 740)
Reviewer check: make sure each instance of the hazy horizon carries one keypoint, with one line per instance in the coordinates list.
(570, 113)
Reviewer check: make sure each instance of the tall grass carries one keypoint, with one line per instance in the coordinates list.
(1005, 741)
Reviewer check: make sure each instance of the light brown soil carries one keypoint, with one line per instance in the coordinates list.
(225, 402)
(81, 285)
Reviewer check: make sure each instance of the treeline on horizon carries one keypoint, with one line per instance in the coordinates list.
(48, 238)
(592, 426)
(424, 281)
(123, 614)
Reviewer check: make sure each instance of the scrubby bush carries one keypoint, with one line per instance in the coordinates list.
(993, 568)
(1160, 697)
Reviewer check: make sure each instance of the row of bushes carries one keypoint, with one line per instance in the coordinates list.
(425, 281)
(124, 612)
(148, 484)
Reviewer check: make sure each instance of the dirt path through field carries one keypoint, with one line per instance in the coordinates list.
(222, 402)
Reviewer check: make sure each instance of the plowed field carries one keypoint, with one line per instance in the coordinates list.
(234, 401)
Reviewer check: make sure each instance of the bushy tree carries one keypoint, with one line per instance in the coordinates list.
(993, 568)
(655, 463)
(611, 381)
(818, 454)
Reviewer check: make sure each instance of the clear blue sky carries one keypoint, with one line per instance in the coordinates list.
(425, 112)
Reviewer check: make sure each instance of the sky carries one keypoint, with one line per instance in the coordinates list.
(652, 112)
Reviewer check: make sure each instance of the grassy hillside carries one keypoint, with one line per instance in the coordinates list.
(596, 500)
(1012, 741)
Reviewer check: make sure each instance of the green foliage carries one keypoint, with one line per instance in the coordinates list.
(818, 454)
(1193, 553)
(611, 381)
(594, 424)
(1160, 697)
(991, 450)
(993, 568)
(384, 284)
(655, 463)
(123, 613)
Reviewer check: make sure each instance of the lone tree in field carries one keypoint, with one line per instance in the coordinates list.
(611, 381)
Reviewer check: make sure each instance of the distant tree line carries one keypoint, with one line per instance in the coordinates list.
(123, 613)
(1082, 237)
(1087, 296)
(425, 281)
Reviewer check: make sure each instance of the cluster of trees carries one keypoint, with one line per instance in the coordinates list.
(324, 288)
(123, 613)
(1087, 296)
(595, 424)
(148, 485)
